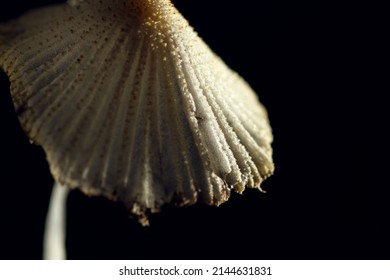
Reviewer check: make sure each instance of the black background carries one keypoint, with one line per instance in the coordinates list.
(325, 200)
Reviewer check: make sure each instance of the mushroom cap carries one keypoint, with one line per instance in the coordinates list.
(129, 103)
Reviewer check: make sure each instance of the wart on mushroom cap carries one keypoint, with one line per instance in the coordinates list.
(128, 102)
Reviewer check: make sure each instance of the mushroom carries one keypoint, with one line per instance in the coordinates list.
(129, 103)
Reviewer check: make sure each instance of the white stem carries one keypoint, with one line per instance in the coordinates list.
(54, 236)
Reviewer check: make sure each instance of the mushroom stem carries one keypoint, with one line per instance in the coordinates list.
(54, 236)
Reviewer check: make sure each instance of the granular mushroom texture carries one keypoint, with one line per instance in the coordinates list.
(129, 103)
